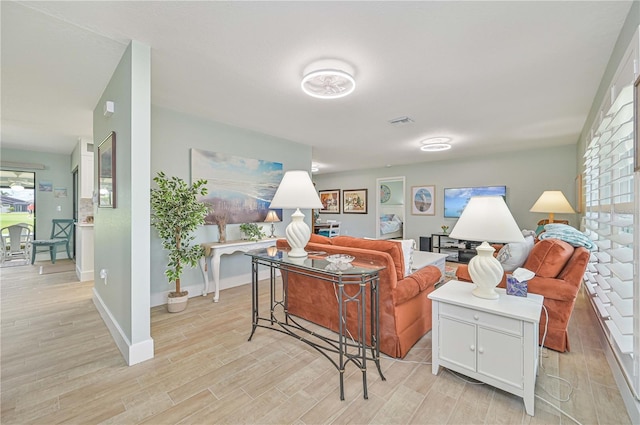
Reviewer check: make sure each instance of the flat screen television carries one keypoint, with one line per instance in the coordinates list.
(455, 199)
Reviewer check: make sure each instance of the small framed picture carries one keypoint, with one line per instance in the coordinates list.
(423, 200)
(107, 172)
(330, 201)
(354, 201)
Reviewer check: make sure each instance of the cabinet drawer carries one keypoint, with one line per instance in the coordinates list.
(482, 318)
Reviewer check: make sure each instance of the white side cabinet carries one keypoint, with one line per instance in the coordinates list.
(493, 341)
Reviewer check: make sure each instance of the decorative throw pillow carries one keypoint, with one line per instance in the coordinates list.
(408, 246)
(514, 254)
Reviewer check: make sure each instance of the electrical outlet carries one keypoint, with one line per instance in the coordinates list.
(103, 275)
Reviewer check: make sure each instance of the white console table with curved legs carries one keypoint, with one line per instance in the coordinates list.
(215, 250)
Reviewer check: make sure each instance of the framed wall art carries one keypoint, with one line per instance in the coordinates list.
(354, 201)
(423, 200)
(330, 201)
(107, 172)
(240, 189)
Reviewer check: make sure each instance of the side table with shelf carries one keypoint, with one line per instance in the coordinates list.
(457, 250)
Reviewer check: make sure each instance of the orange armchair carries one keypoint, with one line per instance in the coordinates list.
(558, 268)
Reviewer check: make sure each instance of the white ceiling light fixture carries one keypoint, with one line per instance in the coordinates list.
(435, 144)
(328, 80)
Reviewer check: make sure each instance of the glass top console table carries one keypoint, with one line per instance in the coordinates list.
(355, 284)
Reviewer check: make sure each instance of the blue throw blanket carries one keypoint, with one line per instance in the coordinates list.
(566, 233)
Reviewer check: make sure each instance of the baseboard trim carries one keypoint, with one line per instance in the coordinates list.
(195, 289)
(83, 276)
(132, 353)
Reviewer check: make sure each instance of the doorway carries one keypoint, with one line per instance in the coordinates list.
(18, 202)
(390, 208)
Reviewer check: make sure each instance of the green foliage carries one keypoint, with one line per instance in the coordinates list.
(176, 214)
(252, 231)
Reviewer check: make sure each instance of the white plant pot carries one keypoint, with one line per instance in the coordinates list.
(177, 304)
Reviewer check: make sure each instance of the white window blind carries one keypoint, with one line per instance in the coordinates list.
(609, 192)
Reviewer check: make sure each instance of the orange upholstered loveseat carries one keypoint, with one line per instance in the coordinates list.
(558, 268)
(405, 310)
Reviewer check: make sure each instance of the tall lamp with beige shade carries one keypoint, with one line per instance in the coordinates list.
(552, 202)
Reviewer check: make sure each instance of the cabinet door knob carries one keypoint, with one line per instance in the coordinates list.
(472, 347)
(480, 350)
(476, 317)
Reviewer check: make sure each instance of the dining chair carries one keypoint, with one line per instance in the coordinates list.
(60, 235)
(333, 229)
(16, 241)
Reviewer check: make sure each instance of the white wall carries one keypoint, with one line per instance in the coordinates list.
(122, 233)
(174, 134)
(526, 174)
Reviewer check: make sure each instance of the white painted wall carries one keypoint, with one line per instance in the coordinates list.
(174, 135)
(122, 233)
(526, 174)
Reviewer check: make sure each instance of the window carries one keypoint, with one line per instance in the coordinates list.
(17, 202)
(609, 214)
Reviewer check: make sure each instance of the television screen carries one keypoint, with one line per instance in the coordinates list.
(455, 199)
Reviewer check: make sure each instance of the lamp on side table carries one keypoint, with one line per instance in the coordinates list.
(486, 218)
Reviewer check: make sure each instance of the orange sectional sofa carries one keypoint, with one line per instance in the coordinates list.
(405, 310)
(558, 268)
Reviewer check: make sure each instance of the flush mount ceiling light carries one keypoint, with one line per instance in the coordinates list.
(435, 144)
(328, 84)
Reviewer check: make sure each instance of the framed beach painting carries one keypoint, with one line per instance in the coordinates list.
(240, 189)
(423, 200)
(330, 201)
(354, 201)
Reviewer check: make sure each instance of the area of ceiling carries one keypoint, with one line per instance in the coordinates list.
(493, 76)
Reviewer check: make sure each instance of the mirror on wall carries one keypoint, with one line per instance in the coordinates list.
(390, 208)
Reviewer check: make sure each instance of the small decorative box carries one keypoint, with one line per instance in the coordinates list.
(515, 287)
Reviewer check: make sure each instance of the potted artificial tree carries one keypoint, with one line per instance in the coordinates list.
(176, 213)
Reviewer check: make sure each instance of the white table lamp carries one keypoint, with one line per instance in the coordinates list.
(272, 217)
(296, 191)
(486, 218)
(552, 201)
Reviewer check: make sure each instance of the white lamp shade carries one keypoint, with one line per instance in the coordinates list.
(552, 201)
(487, 218)
(296, 191)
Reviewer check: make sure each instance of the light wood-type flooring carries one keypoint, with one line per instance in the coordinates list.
(60, 365)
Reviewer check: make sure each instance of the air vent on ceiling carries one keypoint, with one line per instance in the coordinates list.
(401, 121)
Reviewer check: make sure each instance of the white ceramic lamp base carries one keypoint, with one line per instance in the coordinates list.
(486, 272)
(298, 234)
